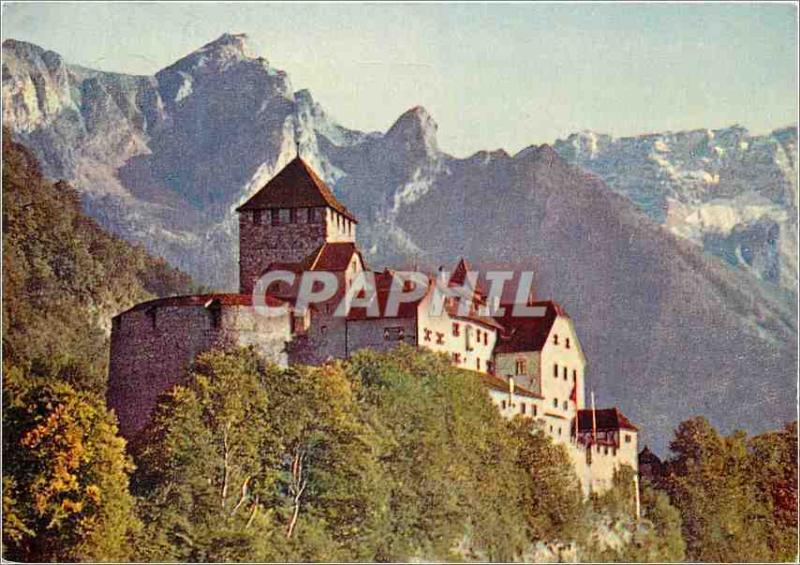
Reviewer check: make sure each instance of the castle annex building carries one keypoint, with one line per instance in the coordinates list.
(531, 366)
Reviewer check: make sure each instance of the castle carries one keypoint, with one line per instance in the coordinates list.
(531, 366)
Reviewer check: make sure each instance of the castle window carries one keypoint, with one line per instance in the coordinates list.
(485, 338)
(216, 318)
(478, 335)
(478, 363)
(555, 339)
(566, 343)
(521, 367)
(605, 451)
(559, 431)
(555, 403)
(439, 338)
(257, 217)
(535, 410)
(427, 334)
(152, 314)
(565, 405)
(456, 357)
(551, 428)
(574, 375)
(456, 329)
(276, 217)
(627, 438)
(565, 373)
(524, 408)
(503, 404)
(555, 370)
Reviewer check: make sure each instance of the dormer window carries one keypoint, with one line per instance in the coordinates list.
(521, 367)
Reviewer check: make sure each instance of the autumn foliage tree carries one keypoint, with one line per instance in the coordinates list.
(65, 475)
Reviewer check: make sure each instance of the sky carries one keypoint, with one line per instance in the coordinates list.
(491, 75)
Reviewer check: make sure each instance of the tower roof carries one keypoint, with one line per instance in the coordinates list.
(295, 186)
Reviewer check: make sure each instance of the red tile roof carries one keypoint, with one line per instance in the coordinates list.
(295, 186)
(607, 419)
(334, 257)
(459, 276)
(527, 333)
(203, 300)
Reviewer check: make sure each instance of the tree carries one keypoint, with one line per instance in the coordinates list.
(552, 500)
(774, 464)
(65, 475)
(205, 464)
(710, 481)
(447, 459)
(250, 462)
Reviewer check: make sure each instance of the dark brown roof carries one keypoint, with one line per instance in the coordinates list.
(607, 419)
(527, 333)
(497, 383)
(203, 300)
(295, 186)
(405, 310)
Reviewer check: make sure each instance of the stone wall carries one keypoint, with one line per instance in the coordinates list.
(261, 243)
(152, 348)
(380, 334)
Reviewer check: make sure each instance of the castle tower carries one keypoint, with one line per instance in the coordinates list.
(288, 219)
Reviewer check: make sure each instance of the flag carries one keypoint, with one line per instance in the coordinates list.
(573, 396)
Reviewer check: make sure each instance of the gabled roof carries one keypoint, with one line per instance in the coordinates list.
(295, 186)
(527, 333)
(459, 276)
(607, 419)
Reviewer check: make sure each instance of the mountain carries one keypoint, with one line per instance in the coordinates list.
(670, 330)
(64, 277)
(733, 193)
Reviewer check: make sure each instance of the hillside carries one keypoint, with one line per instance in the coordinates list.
(63, 275)
(164, 160)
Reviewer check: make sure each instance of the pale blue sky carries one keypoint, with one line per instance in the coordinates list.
(498, 75)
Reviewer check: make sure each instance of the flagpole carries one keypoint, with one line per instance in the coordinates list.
(594, 421)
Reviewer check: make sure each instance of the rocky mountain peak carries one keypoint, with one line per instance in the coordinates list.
(228, 49)
(415, 127)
